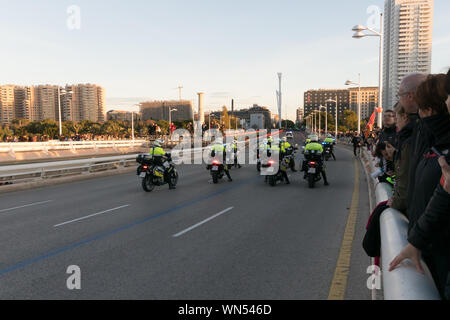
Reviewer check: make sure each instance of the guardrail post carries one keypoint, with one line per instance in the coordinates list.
(11, 151)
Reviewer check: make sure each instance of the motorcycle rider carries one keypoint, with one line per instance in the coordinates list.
(330, 142)
(217, 148)
(234, 147)
(161, 158)
(281, 154)
(289, 150)
(269, 141)
(314, 145)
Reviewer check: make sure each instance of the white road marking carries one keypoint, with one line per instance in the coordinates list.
(25, 206)
(203, 222)
(91, 215)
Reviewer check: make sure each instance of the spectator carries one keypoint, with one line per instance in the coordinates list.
(421, 136)
(389, 131)
(431, 97)
(401, 157)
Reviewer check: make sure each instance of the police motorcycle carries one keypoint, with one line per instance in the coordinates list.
(326, 151)
(314, 167)
(273, 169)
(152, 173)
(261, 148)
(216, 168)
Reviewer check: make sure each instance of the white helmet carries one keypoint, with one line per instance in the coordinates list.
(314, 139)
(158, 143)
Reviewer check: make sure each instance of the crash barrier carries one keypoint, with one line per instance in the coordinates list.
(38, 171)
(405, 282)
(67, 145)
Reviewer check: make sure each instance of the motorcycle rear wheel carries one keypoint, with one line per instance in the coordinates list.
(272, 181)
(147, 184)
(215, 177)
(311, 181)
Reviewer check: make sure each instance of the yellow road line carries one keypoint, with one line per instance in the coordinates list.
(339, 283)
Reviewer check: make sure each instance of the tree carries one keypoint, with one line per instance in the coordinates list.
(225, 119)
(349, 120)
(113, 128)
(49, 128)
(290, 124)
(5, 132)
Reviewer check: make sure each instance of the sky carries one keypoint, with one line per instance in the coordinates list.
(144, 49)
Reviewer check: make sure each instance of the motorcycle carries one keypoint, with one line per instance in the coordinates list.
(152, 175)
(270, 166)
(313, 168)
(217, 170)
(326, 151)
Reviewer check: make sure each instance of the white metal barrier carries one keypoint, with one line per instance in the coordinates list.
(14, 147)
(405, 282)
(31, 172)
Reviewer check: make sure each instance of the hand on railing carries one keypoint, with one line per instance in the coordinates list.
(409, 252)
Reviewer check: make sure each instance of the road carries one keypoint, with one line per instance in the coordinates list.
(238, 240)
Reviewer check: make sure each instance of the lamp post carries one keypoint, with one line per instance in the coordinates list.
(316, 129)
(326, 118)
(132, 121)
(336, 126)
(347, 83)
(372, 33)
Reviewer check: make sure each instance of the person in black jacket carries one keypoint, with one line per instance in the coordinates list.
(357, 142)
(430, 222)
(389, 131)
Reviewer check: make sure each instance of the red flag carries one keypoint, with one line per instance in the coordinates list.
(371, 121)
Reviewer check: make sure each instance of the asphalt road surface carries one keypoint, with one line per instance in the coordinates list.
(238, 240)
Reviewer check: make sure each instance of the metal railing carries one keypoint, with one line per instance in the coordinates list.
(405, 282)
(39, 171)
(14, 147)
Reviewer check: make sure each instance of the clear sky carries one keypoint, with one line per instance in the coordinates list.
(145, 49)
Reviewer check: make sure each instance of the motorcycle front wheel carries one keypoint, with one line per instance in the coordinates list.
(174, 178)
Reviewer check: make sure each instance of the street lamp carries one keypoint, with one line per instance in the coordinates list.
(132, 120)
(348, 83)
(326, 118)
(359, 34)
(316, 130)
(336, 126)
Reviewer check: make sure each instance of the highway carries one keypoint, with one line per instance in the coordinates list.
(238, 240)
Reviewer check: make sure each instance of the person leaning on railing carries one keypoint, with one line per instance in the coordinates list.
(429, 234)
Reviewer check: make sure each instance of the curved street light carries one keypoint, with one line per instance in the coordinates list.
(359, 34)
(349, 83)
(336, 116)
